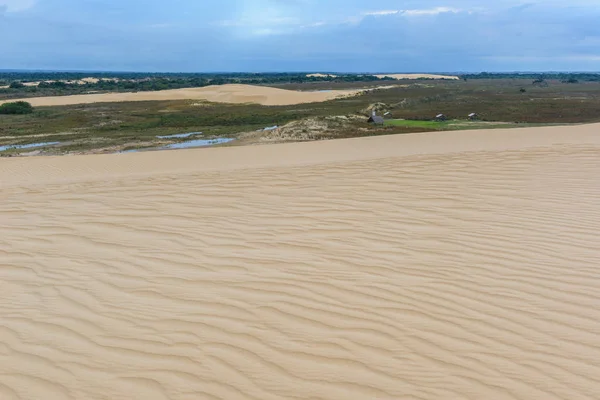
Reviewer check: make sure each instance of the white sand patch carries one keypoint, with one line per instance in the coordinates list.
(321, 76)
(417, 76)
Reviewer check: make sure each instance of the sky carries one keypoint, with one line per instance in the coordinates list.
(300, 35)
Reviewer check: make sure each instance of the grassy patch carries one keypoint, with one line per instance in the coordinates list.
(458, 124)
(434, 125)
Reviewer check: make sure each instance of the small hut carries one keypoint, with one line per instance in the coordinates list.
(376, 119)
(440, 117)
(473, 116)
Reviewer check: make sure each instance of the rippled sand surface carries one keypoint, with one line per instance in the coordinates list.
(452, 265)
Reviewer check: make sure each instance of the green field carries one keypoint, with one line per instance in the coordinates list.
(433, 125)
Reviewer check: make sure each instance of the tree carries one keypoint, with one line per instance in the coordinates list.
(16, 85)
(18, 107)
(522, 90)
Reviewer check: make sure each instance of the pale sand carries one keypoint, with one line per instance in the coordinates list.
(221, 94)
(321, 75)
(417, 76)
(451, 265)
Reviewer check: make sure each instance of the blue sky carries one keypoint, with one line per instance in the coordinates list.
(301, 35)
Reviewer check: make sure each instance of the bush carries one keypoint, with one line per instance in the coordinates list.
(16, 85)
(19, 107)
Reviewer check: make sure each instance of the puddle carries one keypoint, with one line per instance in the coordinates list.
(198, 143)
(27, 146)
(180, 135)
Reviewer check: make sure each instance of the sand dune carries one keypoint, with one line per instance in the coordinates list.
(321, 75)
(221, 94)
(451, 265)
(417, 76)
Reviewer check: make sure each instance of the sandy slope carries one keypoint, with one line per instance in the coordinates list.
(417, 76)
(451, 265)
(222, 94)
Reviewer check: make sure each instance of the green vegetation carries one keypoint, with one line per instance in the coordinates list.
(454, 125)
(111, 127)
(32, 84)
(67, 83)
(436, 125)
(584, 77)
(18, 107)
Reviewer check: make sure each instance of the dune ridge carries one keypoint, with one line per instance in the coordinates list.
(451, 265)
(231, 93)
(418, 76)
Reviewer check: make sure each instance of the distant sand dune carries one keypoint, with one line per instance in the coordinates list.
(221, 94)
(321, 75)
(450, 265)
(417, 76)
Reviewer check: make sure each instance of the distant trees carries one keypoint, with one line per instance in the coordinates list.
(565, 77)
(52, 85)
(570, 80)
(16, 85)
(18, 107)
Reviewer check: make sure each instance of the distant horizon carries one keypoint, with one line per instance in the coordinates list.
(77, 71)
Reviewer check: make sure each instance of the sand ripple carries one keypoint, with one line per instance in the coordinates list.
(440, 276)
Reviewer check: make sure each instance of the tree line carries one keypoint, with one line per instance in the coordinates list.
(51, 83)
(565, 77)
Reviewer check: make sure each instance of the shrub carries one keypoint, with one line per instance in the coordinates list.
(19, 107)
(16, 85)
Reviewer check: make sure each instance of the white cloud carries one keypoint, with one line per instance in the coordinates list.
(382, 12)
(431, 11)
(17, 5)
(413, 12)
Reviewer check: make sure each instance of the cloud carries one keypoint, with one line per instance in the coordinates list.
(430, 11)
(276, 35)
(382, 12)
(16, 5)
(413, 12)
(406, 13)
